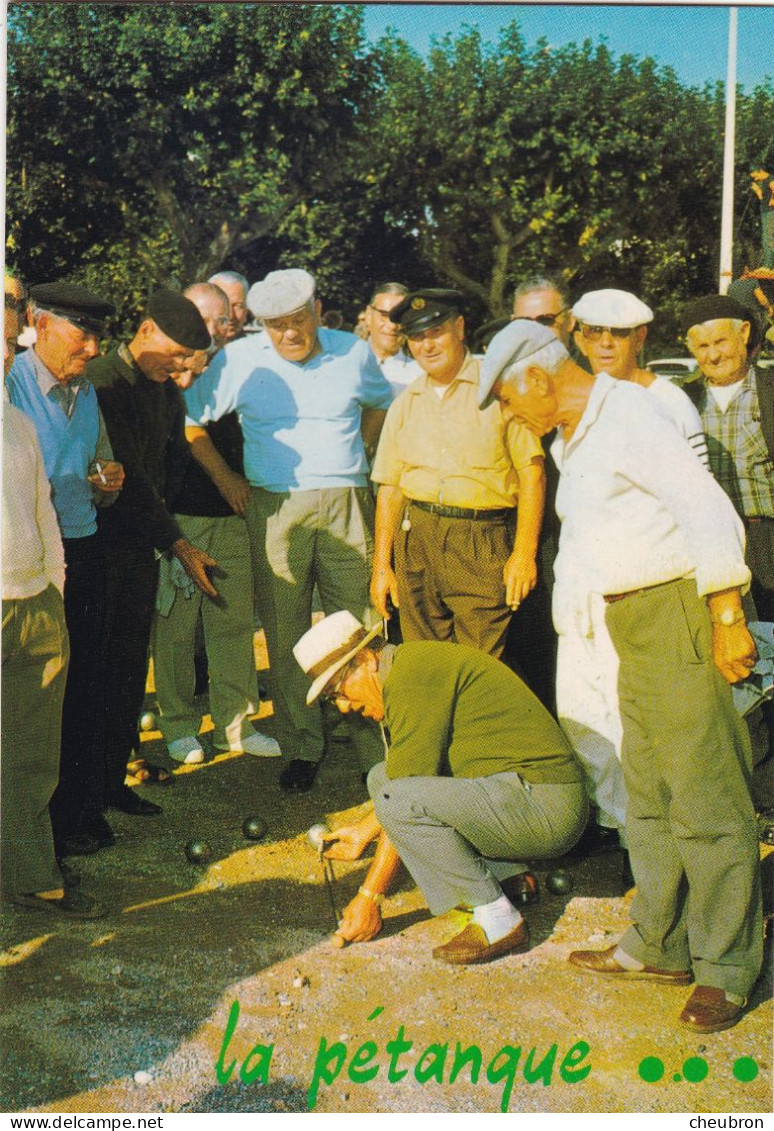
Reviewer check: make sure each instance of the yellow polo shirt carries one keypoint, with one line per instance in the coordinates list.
(444, 450)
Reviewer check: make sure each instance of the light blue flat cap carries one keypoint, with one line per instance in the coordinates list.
(518, 341)
(281, 292)
(610, 307)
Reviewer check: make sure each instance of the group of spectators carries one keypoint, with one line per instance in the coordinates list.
(161, 496)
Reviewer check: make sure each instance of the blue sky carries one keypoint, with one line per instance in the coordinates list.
(690, 38)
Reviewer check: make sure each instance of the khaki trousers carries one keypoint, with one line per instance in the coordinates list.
(228, 637)
(300, 539)
(690, 823)
(36, 651)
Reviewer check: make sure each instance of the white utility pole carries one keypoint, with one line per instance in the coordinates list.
(727, 208)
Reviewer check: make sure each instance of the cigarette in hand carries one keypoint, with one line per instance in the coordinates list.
(98, 466)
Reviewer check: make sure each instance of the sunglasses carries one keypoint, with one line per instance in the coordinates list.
(594, 333)
(334, 692)
(548, 319)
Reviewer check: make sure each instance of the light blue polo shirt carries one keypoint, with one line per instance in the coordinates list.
(301, 423)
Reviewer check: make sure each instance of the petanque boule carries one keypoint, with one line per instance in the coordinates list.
(559, 882)
(197, 852)
(254, 828)
(148, 721)
(315, 836)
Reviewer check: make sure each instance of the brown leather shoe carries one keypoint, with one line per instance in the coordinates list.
(471, 946)
(708, 1010)
(603, 962)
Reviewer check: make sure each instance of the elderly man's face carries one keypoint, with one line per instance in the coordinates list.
(162, 357)
(611, 352)
(237, 312)
(547, 307)
(294, 335)
(720, 347)
(441, 349)
(215, 312)
(532, 402)
(359, 689)
(64, 348)
(385, 336)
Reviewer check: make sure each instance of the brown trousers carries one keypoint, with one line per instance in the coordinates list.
(450, 579)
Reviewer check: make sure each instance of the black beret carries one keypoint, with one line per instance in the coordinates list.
(178, 318)
(422, 309)
(709, 308)
(85, 310)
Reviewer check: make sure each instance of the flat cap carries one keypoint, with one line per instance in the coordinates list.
(421, 310)
(611, 307)
(711, 307)
(179, 319)
(281, 292)
(84, 309)
(517, 342)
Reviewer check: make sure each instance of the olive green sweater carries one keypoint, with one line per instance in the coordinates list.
(454, 711)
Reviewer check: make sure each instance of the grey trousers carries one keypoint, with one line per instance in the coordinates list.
(36, 651)
(228, 636)
(444, 828)
(690, 823)
(300, 539)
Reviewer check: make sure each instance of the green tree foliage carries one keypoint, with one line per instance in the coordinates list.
(157, 143)
(507, 160)
(152, 143)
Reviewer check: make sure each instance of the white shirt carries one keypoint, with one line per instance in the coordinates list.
(637, 507)
(33, 556)
(400, 370)
(684, 414)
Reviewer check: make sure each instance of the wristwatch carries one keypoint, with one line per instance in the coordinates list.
(728, 617)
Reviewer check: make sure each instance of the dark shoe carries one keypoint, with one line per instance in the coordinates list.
(627, 875)
(596, 838)
(708, 1010)
(72, 903)
(81, 845)
(471, 946)
(603, 962)
(520, 889)
(299, 775)
(100, 830)
(766, 826)
(128, 802)
(70, 878)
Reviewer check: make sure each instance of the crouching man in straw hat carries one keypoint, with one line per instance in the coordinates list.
(477, 772)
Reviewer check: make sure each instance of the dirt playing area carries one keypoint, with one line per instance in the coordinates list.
(136, 1012)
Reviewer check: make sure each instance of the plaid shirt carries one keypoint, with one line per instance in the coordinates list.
(738, 455)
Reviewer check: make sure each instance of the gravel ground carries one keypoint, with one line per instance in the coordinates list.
(130, 1013)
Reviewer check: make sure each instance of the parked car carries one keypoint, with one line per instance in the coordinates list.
(673, 368)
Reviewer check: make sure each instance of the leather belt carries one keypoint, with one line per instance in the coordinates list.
(463, 512)
(611, 598)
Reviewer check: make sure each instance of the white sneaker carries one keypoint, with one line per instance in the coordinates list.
(258, 744)
(186, 750)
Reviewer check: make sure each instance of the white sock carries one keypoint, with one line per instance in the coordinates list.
(626, 960)
(497, 918)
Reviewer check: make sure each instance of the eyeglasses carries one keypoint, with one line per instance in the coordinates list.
(334, 692)
(385, 314)
(594, 333)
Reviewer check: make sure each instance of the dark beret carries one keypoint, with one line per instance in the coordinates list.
(422, 309)
(84, 309)
(710, 307)
(179, 319)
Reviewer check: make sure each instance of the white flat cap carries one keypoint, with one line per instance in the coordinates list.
(281, 292)
(329, 645)
(612, 308)
(519, 340)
